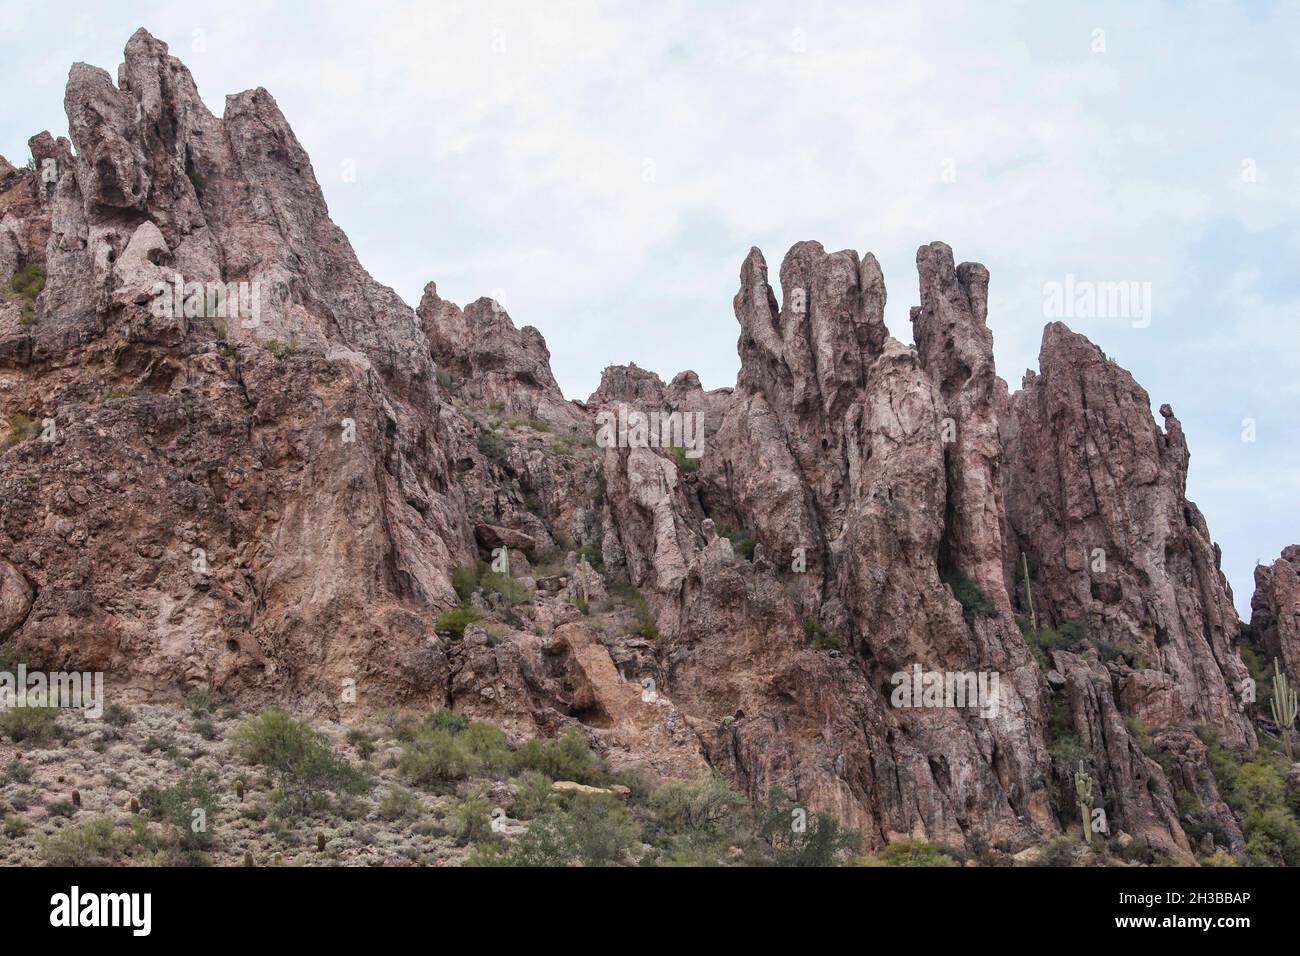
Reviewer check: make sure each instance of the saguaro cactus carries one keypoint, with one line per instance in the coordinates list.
(1283, 706)
(1083, 788)
(1029, 592)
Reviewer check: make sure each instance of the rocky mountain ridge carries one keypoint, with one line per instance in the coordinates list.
(283, 504)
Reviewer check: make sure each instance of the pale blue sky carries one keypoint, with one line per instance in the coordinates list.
(501, 149)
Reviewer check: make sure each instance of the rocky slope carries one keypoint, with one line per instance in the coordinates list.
(274, 505)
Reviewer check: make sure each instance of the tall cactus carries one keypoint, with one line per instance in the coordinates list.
(1283, 706)
(1029, 593)
(1083, 788)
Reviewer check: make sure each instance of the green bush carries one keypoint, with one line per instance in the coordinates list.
(28, 282)
(494, 447)
(92, 843)
(187, 807)
(820, 843)
(818, 636)
(363, 741)
(684, 464)
(398, 804)
(470, 819)
(21, 428)
(451, 624)
(593, 556)
(974, 602)
(592, 830)
(533, 795)
(568, 758)
(465, 579)
(908, 852)
(1256, 791)
(118, 715)
(199, 701)
(302, 760)
(30, 725)
(742, 543)
(438, 754)
(698, 819)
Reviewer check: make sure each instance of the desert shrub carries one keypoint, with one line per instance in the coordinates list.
(470, 819)
(705, 808)
(685, 464)
(187, 807)
(908, 852)
(820, 840)
(465, 579)
(28, 282)
(363, 741)
(568, 758)
(21, 428)
(697, 822)
(1218, 859)
(493, 447)
(118, 715)
(593, 829)
(449, 721)
(532, 795)
(15, 826)
(818, 636)
(437, 755)
(1256, 791)
(90, 844)
(742, 543)
(199, 701)
(974, 602)
(1057, 852)
(31, 725)
(451, 624)
(205, 729)
(505, 585)
(302, 761)
(593, 556)
(626, 594)
(398, 804)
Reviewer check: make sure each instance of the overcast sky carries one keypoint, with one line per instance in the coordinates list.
(603, 168)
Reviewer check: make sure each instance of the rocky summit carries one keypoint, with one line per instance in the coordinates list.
(868, 580)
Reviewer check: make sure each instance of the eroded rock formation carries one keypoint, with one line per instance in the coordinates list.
(276, 505)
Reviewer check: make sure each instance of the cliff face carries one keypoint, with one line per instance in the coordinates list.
(273, 503)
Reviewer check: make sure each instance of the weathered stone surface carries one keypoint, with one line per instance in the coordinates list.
(1275, 610)
(1096, 494)
(490, 536)
(487, 359)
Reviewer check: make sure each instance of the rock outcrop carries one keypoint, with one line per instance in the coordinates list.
(237, 460)
(1275, 610)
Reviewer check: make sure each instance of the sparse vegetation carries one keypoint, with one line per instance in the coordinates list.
(451, 624)
(974, 602)
(493, 447)
(27, 724)
(908, 852)
(305, 766)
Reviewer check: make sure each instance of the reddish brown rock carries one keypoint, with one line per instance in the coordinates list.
(1275, 610)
